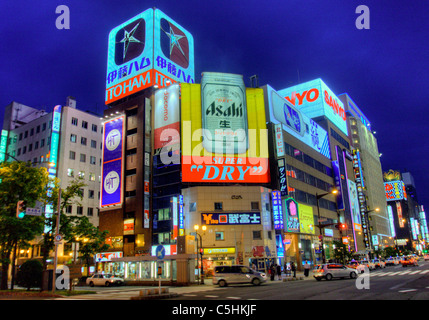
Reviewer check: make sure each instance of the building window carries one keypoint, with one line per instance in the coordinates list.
(93, 144)
(254, 205)
(164, 214)
(82, 157)
(91, 177)
(192, 207)
(81, 175)
(79, 210)
(90, 212)
(70, 172)
(44, 126)
(38, 129)
(257, 235)
(92, 160)
(84, 124)
(72, 155)
(218, 206)
(83, 141)
(94, 127)
(90, 194)
(74, 121)
(219, 236)
(73, 138)
(42, 143)
(69, 209)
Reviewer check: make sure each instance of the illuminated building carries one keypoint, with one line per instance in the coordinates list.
(67, 141)
(368, 171)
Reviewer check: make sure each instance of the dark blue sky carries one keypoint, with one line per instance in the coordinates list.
(383, 69)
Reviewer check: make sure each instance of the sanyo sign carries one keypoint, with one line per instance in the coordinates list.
(315, 99)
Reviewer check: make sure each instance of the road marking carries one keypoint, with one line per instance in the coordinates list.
(404, 272)
(210, 296)
(408, 290)
(414, 272)
(385, 274)
(394, 273)
(424, 271)
(189, 295)
(236, 298)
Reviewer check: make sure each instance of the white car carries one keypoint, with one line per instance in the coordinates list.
(379, 263)
(99, 279)
(369, 264)
(334, 270)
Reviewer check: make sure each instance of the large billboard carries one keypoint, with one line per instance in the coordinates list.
(315, 99)
(167, 117)
(149, 49)
(395, 190)
(223, 133)
(292, 120)
(113, 162)
(306, 219)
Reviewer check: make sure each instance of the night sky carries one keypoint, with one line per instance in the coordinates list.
(383, 69)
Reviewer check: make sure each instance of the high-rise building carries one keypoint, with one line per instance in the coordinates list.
(369, 175)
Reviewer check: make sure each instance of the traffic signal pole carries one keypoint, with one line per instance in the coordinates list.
(57, 231)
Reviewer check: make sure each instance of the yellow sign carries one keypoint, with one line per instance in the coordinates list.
(306, 219)
(219, 250)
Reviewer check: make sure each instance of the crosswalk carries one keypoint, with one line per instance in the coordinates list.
(398, 273)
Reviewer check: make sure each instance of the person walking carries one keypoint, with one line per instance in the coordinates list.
(293, 267)
(307, 267)
(279, 272)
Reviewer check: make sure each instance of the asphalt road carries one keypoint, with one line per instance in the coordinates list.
(390, 283)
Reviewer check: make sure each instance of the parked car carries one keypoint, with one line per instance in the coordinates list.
(379, 263)
(390, 262)
(369, 264)
(426, 257)
(408, 261)
(100, 279)
(224, 275)
(334, 270)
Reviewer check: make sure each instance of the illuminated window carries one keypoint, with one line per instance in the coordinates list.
(70, 172)
(219, 236)
(73, 138)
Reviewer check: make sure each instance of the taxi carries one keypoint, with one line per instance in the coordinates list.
(409, 261)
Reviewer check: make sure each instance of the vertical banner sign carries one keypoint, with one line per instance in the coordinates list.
(174, 209)
(391, 221)
(280, 148)
(3, 145)
(112, 167)
(282, 177)
(181, 217)
(360, 184)
(167, 117)
(277, 210)
(399, 213)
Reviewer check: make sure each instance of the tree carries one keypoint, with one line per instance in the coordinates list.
(19, 181)
(341, 252)
(72, 194)
(30, 274)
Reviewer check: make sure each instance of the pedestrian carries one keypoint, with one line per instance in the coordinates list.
(279, 272)
(293, 267)
(272, 272)
(306, 269)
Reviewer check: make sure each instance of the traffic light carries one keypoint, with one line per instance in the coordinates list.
(201, 251)
(341, 226)
(20, 211)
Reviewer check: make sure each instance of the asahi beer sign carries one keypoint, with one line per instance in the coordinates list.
(111, 190)
(224, 136)
(224, 113)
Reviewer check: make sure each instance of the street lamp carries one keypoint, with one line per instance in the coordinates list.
(204, 228)
(320, 226)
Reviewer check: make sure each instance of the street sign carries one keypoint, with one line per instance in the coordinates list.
(58, 238)
(33, 212)
(160, 252)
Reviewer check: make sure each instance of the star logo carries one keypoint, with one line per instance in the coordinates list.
(129, 38)
(174, 43)
(130, 41)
